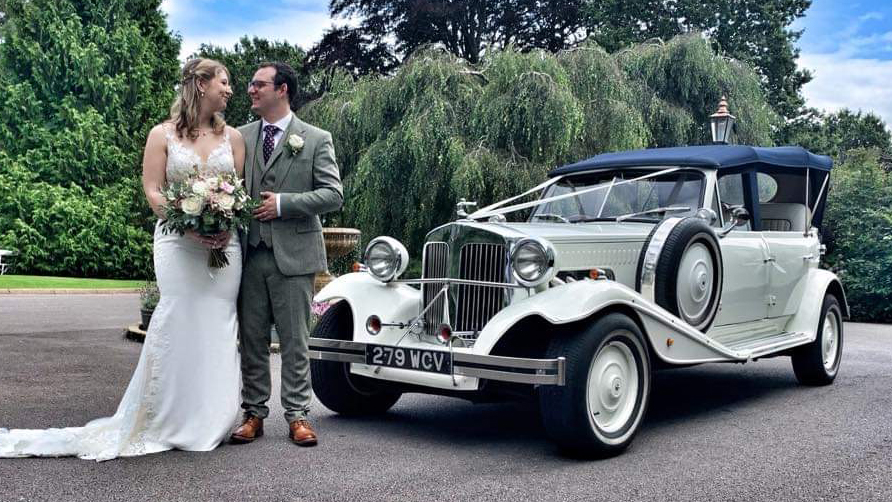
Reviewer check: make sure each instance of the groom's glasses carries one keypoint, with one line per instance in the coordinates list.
(258, 84)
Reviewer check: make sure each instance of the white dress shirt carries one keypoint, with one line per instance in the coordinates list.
(282, 125)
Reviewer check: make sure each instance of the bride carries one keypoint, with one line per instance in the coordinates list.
(184, 392)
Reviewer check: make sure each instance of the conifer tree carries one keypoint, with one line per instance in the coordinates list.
(81, 83)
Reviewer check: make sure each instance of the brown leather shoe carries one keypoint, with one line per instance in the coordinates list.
(251, 429)
(301, 433)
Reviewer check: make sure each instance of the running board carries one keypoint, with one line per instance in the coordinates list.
(766, 344)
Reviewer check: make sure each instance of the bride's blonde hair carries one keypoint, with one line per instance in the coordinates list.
(187, 105)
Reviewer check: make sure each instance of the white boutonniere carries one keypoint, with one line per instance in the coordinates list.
(295, 143)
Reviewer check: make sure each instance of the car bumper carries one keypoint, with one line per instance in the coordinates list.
(488, 367)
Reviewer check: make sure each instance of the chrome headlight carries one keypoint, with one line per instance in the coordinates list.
(385, 258)
(532, 261)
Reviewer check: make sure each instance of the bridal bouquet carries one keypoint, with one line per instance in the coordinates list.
(207, 204)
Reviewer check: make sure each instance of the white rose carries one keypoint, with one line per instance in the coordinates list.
(225, 201)
(200, 188)
(295, 142)
(213, 183)
(192, 205)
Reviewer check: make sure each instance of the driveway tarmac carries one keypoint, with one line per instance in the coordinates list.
(713, 432)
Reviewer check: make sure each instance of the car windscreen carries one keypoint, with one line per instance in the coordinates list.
(624, 194)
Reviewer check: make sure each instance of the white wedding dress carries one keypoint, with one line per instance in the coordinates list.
(185, 391)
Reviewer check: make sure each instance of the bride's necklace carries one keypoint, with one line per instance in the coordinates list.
(202, 134)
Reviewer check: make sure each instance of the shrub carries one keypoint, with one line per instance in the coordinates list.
(66, 231)
(858, 230)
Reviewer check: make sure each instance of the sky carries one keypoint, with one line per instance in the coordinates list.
(846, 44)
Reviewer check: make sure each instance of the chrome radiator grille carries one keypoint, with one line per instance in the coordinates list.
(436, 264)
(470, 307)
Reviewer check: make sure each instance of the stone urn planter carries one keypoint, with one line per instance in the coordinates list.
(145, 318)
(338, 242)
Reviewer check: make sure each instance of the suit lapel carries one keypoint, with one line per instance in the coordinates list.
(255, 160)
(250, 135)
(294, 127)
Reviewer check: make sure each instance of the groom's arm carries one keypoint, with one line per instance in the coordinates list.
(327, 194)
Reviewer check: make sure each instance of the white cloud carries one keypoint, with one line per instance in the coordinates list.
(303, 28)
(168, 6)
(871, 16)
(299, 22)
(845, 82)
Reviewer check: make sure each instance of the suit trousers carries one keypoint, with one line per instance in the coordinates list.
(268, 296)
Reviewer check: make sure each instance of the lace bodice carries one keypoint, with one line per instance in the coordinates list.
(181, 159)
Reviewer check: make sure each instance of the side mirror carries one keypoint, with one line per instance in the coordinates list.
(739, 216)
(706, 214)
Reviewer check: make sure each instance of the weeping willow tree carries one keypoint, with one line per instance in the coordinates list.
(411, 144)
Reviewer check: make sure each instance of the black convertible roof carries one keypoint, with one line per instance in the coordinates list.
(711, 156)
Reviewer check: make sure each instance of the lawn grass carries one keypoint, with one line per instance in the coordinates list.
(9, 281)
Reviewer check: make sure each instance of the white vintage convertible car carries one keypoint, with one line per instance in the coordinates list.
(622, 264)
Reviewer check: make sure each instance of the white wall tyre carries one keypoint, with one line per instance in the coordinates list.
(818, 362)
(333, 384)
(598, 412)
(680, 269)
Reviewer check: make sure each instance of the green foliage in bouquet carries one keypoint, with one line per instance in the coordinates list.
(858, 233)
(411, 144)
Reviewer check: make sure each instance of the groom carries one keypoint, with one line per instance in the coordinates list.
(290, 167)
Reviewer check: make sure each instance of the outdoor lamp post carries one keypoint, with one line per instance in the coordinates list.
(722, 123)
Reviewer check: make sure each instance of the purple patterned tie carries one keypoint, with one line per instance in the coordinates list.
(268, 141)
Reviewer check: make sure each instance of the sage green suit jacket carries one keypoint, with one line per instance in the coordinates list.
(309, 184)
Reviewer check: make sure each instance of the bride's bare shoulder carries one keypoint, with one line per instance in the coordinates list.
(234, 134)
(161, 129)
(158, 134)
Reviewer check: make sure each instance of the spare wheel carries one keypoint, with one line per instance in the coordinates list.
(680, 269)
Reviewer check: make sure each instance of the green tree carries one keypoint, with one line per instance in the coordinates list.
(349, 50)
(84, 83)
(755, 31)
(836, 133)
(467, 27)
(859, 234)
(242, 61)
(81, 83)
(409, 145)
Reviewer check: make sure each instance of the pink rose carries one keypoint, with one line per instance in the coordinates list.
(319, 308)
(226, 187)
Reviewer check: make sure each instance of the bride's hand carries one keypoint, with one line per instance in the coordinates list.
(207, 241)
(221, 239)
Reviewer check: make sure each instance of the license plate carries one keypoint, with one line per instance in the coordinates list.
(433, 361)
